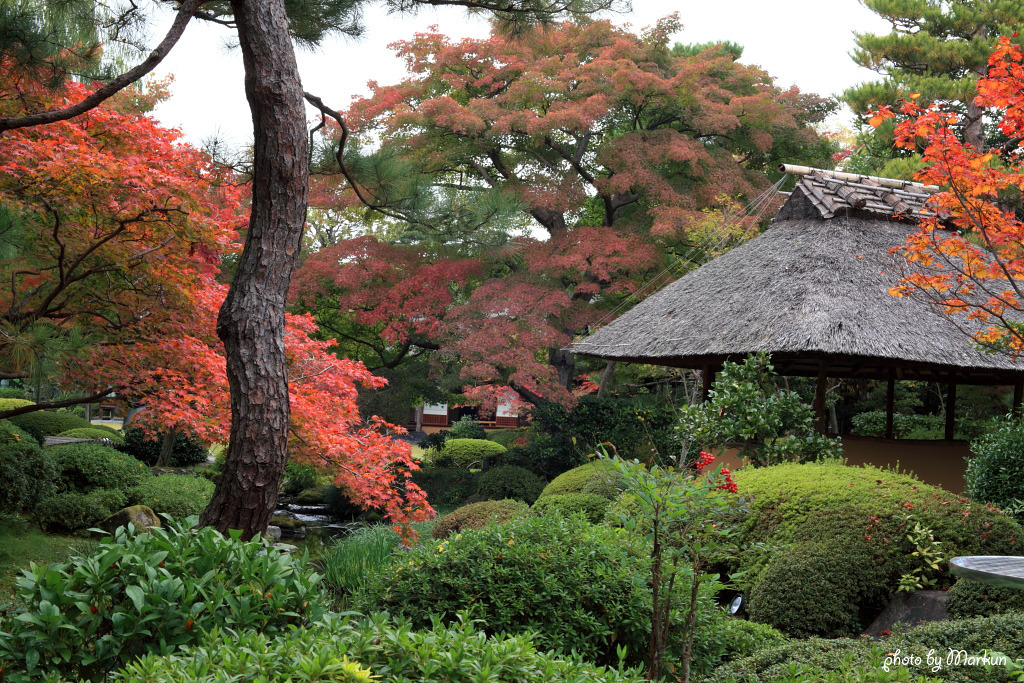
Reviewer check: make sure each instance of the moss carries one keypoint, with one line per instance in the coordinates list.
(286, 522)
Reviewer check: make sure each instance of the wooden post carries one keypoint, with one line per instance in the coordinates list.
(819, 397)
(707, 377)
(890, 403)
(1018, 394)
(950, 409)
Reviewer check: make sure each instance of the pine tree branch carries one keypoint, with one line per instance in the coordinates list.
(185, 13)
(92, 398)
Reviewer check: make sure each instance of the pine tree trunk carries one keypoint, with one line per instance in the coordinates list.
(251, 321)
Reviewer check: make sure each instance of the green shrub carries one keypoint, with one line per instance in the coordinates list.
(968, 598)
(995, 474)
(467, 428)
(850, 587)
(94, 433)
(340, 506)
(11, 392)
(510, 437)
(509, 481)
(467, 452)
(434, 441)
(446, 485)
(858, 513)
(478, 516)
(595, 477)
(83, 467)
(298, 478)
(27, 473)
(390, 649)
(178, 495)
(44, 423)
(12, 402)
(573, 584)
(590, 505)
(185, 453)
(150, 593)
(72, 510)
(348, 562)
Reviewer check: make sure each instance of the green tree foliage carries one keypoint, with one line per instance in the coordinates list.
(937, 50)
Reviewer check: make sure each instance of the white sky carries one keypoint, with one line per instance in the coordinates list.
(801, 42)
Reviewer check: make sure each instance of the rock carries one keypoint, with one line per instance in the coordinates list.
(273, 533)
(910, 609)
(141, 516)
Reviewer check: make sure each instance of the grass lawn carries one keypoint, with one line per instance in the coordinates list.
(20, 547)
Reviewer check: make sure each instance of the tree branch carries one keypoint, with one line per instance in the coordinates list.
(185, 13)
(4, 414)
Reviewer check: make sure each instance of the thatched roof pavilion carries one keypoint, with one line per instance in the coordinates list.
(813, 291)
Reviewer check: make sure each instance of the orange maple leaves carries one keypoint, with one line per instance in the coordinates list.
(977, 268)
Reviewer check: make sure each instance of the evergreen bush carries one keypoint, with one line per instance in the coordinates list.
(150, 593)
(72, 510)
(590, 505)
(995, 473)
(185, 453)
(43, 423)
(478, 516)
(968, 598)
(509, 481)
(27, 473)
(446, 485)
(83, 467)
(94, 434)
(178, 495)
(595, 477)
(467, 428)
(468, 452)
(861, 515)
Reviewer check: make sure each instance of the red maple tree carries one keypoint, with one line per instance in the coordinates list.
(968, 259)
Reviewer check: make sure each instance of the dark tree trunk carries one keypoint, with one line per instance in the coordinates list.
(565, 362)
(251, 321)
(166, 449)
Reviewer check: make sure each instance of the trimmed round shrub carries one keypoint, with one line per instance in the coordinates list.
(72, 510)
(509, 481)
(478, 516)
(178, 495)
(27, 473)
(596, 477)
(510, 437)
(12, 392)
(83, 467)
(446, 485)
(186, 451)
(151, 593)
(44, 423)
(859, 515)
(467, 452)
(995, 474)
(573, 584)
(850, 587)
(12, 402)
(969, 598)
(590, 505)
(467, 428)
(93, 433)
(390, 651)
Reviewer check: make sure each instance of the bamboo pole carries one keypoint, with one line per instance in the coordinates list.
(856, 177)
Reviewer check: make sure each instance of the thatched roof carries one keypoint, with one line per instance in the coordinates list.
(808, 290)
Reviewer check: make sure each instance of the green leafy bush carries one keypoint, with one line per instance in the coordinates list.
(150, 593)
(573, 584)
(478, 516)
(459, 653)
(995, 474)
(467, 428)
(27, 472)
(83, 467)
(747, 410)
(509, 481)
(968, 598)
(11, 392)
(860, 515)
(185, 453)
(510, 437)
(72, 510)
(178, 495)
(298, 478)
(595, 477)
(590, 505)
(93, 433)
(434, 441)
(467, 452)
(12, 402)
(446, 485)
(44, 423)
